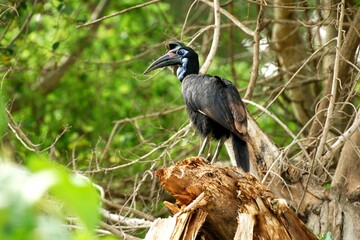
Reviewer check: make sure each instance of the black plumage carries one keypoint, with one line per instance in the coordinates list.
(213, 103)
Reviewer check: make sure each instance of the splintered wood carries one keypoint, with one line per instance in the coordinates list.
(217, 202)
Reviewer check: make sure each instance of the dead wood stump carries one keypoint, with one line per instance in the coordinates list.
(217, 202)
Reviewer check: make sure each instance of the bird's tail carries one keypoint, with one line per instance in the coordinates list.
(238, 152)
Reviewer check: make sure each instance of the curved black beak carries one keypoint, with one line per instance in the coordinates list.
(169, 59)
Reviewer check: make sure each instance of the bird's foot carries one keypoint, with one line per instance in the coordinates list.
(207, 158)
(213, 160)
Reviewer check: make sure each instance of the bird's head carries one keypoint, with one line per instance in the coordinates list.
(182, 59)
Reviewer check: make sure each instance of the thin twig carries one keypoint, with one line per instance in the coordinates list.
(285, 151)
(231, 48)
(25, 141)
(128, 221)
(117, 13)
(4, 76)
(295, 6)
(20, 135)
(232, 18)
(184, 130)
(314, 54)
(23, 27)
(150, 115)
(198, 33)
(185, 21)
(255, 65)
(118, 233)
(332, 98)
(282, 124)
(132, 210)
(134, 119)
(215, 39)
(334, 148)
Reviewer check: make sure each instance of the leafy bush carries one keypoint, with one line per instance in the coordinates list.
(36, 200)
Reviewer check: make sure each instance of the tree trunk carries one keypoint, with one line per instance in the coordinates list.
(290, 49)
(227, 201)
(347, 177)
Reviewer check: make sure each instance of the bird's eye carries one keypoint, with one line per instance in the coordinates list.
(181, 52)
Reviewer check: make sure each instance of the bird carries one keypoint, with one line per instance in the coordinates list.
(213, 104)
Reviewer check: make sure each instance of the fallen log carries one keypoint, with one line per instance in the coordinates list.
(218, 202)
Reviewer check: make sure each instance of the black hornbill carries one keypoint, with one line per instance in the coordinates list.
(213, 103)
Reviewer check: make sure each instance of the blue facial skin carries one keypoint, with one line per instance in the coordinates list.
(180, 72)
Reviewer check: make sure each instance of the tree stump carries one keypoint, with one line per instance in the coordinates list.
(218, 202)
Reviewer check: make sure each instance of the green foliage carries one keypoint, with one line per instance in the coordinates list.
(34, 201)
(3, 121)
(106, 82)
(327, 186)
(326, 236)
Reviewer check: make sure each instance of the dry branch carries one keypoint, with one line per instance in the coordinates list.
(117, 13)
(256, 55)
(347, 51)
(232, 18)
(227, 193)
(215, 41)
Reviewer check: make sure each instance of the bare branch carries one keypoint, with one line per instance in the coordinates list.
(332, 98)
(186, 18)
(320, 148)
(24, 140)
(118, 233)
(232, 18)
(134, 119)
(255, 66)
(215, 39)
(165, 144)
(133, 222)
(335, 147)
(282, 124)
(132, 210)
(150, 115)
(117, 13)
(23, 27)
(304, 64)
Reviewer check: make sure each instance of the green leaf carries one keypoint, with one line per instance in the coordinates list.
(327, 236)
(327, 185)
(55, 46)
(16, 214)
(76, 193)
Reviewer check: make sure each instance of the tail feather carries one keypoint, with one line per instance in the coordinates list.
(238, 152)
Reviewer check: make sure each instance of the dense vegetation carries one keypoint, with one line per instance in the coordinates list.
(76, 101)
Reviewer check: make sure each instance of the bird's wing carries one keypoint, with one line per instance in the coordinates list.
(237, 108)
(218, 99)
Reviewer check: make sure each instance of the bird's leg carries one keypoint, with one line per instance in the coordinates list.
(203, 145)
(217, 151)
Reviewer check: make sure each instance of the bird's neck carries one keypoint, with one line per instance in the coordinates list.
(187, 68)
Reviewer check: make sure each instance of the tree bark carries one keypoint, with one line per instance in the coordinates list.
(347, 177)
(230, 198)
